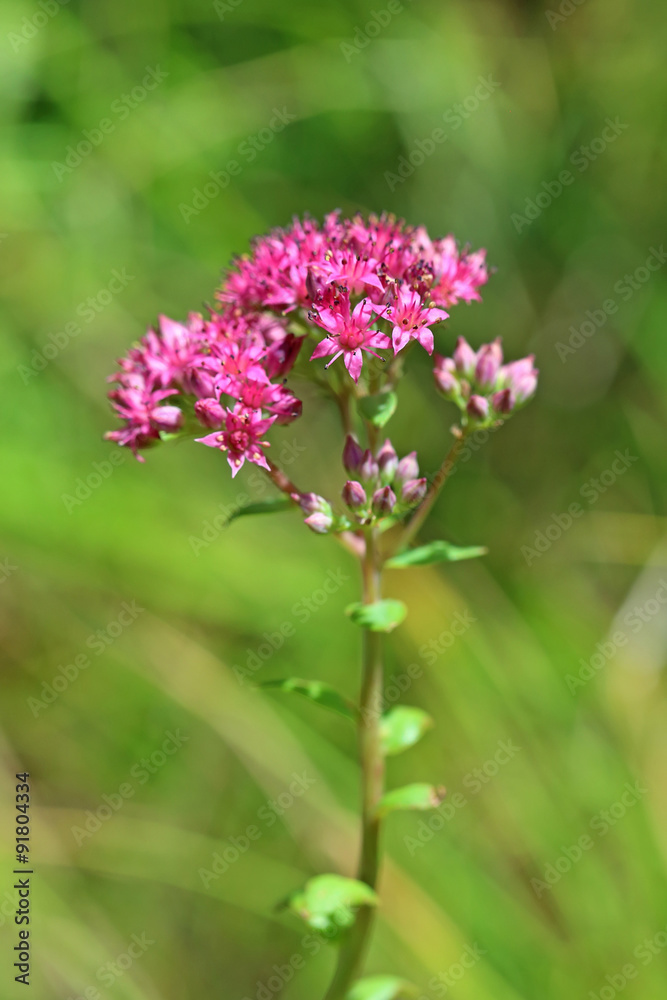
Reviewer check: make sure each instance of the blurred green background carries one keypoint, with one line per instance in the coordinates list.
(362, 86)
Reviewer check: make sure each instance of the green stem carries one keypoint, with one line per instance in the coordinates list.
(439, 480)
(353, 950)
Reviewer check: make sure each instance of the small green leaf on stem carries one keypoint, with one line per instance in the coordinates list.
(316, 691)
(378, 409)
(381, 616)
(382, 988)
(402, 727)
(438, 551)
(417, 796)
(328, 903)
(269, 506)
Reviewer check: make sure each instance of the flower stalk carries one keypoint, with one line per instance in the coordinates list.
(360, 293)
(354, 947)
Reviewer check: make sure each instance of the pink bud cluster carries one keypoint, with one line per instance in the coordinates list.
(484, 388)
(384, 485)
(355, 286)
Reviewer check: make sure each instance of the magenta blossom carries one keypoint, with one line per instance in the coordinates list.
(349, 333)
(241, 437)
(411, 319)
(358, 280)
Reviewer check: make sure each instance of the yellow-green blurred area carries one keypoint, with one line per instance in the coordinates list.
(543, 874)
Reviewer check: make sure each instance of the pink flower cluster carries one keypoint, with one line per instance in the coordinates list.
(481, 385)
(355, 286)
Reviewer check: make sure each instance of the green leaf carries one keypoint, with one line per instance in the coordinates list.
(382, 616)
(378, 409)
(317, 691)
(417, 796)
(269, 506)
(438, 551)
(328, 903)
(382, 988)
(402, 727)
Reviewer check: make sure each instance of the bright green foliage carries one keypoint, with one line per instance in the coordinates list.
(418, 796)
(328, 903)
(382, 616)
(438, 551)
(317, 691)
(402, 727)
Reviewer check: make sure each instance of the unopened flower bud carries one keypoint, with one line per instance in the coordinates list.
(478, 407)
(408, 468)
(167, 418)
(464, 357)
(312, 503)
(354, 495)
(387, 460)
(353, 454)
(445, 377)
(198, 381)
(489, 360)
(503, 401)
(414, 491)
(368, 470)
(384, 501)
(209, 412)
(319, 522)
(521, 378)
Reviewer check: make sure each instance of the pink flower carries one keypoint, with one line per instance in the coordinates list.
(349, 333)
(342, 275)
(350, 270)
(241, 437)
(411, 319)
